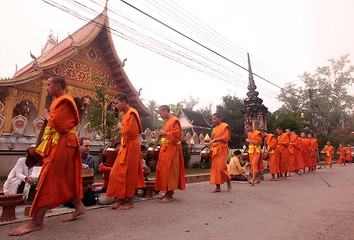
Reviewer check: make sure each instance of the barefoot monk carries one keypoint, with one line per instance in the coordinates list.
(170, 165)
(60, 179)
(219, 153)
(127, 172)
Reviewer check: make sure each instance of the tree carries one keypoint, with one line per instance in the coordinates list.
(207, 112)
(191, 103)
(102, 118)
(152, 122)
(176, 108)
(231, 114)
(324, 100)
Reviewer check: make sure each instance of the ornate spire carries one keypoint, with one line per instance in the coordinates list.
(254, 111)
(252, 93)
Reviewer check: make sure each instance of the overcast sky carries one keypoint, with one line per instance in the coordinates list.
(284, 38)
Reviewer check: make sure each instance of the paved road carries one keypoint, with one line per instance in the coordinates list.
(311, 206)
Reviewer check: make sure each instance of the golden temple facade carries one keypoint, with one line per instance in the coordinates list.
(87, 53)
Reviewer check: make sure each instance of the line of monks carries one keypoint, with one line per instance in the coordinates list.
(61, 181)
(285, 153)
(288, 152)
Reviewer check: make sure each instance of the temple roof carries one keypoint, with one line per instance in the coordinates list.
(195, 118)
(69, 47)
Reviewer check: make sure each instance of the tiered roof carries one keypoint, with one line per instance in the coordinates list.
(69, 47)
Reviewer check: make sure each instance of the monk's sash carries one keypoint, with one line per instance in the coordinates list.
(217, 146)
(47, 133)
(124, 148)
(271, 151)
(165, 142)
(252, 148)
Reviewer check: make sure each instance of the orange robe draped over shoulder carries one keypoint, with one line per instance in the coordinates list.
(170, 173)
(60, 179)
(305, 151)
(272, 143)
(329, 154)
(293, 150)
(348, 154)
(283, 153)
(254, 151)
(298, 153)
(127, 172)
(341, 158)
(313, 147)
(219, 154)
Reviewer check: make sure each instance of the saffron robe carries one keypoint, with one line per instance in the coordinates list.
(60, 178)
(305, 151)
(313, 147)
(271, 143)
(254, 152)
(341, 158)
(293, 165)
(219, 154)
(348, 154)
(329, 154)
(283, 153)
(170, 173)
(298, 154)
(127, 171)
(105, 174)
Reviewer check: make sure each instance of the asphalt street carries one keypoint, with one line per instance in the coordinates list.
(311, 206)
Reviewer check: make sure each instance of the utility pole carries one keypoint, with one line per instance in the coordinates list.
(312, 107)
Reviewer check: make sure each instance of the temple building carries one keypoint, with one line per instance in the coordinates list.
(87, 53)
(193, 122)
(254, 111)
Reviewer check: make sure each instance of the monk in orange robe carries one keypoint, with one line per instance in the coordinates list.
(271, 144)
(313, 147)
(341, 158)
(305, 152)
(349, 154)
(298, 155)
(292, 150)
(329, 151)
(170, 165)
(283, 143)
(219, 154)
(127, 172)
(60, 179)
(254, 139)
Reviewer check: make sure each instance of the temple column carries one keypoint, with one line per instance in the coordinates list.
(10, 105)
(42, 97)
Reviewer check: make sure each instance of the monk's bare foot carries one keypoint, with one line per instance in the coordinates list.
(272, 179)
(26, 228)
(166, 199)
(126, 206)
(216, 190)
(229, 186)
(117, 204)
(75, 214)
(276, 179)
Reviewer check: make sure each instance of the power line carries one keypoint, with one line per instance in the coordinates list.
(143, 44)
(198, 43)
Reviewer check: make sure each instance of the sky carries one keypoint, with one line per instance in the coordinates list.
(284, 38)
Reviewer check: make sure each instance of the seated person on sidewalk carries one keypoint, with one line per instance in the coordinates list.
(234, 168)
(87, 160)
(22, 179)
(146, 169)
